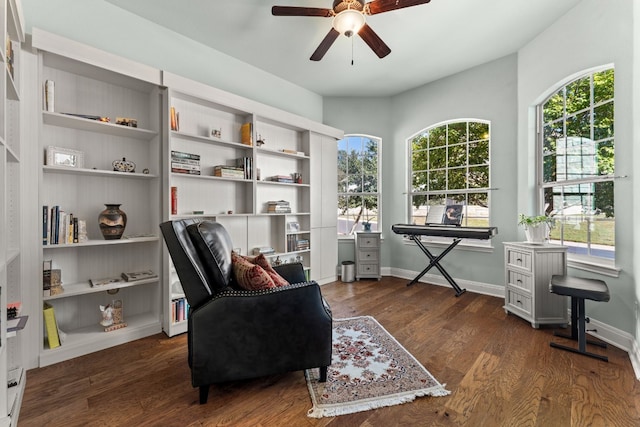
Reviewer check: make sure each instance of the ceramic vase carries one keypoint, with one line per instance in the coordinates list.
(112, 221)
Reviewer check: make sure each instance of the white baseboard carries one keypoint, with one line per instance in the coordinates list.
(606, 333)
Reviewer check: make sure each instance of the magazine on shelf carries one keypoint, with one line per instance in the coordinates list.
(139, 275)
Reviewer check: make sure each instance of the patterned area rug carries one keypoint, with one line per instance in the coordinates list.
(369, 369)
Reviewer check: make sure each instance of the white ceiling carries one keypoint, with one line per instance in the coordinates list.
(427, 42)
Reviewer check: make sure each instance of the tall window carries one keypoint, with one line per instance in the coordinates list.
(449, 173)
(577, 149)
(358, 183)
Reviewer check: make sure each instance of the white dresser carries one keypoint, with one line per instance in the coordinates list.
(368, 255)
(528, 269)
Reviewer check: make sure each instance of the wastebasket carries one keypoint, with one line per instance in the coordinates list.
(348, 271)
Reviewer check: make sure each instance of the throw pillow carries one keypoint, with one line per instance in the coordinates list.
(262, 261)
(250, 276)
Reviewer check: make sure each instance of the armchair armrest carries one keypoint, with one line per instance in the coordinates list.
(292, 272)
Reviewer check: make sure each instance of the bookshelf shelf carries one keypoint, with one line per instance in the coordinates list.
(123, 241)
(79, 123)
(87, 339)
(76, 289)
(210, 140)
(280, 153)
(214, 178)
(96, 172)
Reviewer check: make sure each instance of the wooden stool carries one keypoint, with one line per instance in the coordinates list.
(579, 289)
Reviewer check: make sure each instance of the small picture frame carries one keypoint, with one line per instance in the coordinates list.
(293, 227)
(57, 156)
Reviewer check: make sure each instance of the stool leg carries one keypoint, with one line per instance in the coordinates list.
(574, 334)
(582, 328)
(581, 331)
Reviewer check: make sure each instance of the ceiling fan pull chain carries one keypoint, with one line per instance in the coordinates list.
(352, 50)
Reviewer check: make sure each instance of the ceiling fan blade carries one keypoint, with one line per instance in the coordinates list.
(300, 11)
(374, 41)
(379, 6)
(325, 44)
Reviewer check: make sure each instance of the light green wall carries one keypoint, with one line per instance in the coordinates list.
(484, 92)
(107, 27)
(504, 91)
(600, 33)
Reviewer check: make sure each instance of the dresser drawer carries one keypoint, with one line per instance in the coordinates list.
(520, 259)
(372, 241)
(519, 301)
(520, 280)
(368, 270)
(368, 256)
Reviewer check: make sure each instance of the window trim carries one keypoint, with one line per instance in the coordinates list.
(379, 177)
(582, 262)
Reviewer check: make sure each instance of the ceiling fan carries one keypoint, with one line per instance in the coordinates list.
(349, 18)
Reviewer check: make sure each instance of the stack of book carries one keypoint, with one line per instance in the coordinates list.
(294, 243)
(185, 163)
(58, 226)
(228, 171)
(302, 245)
(278, 206)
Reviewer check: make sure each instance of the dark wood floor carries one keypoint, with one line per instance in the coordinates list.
(500, 371)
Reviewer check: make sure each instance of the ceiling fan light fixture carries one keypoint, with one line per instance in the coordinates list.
(348, 22)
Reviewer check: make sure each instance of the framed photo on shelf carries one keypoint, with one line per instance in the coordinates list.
(293, 227)
(57, 156)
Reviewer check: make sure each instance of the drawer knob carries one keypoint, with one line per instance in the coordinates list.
(519, 259)
(519, 281)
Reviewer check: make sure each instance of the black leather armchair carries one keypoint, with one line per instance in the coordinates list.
(237, 334)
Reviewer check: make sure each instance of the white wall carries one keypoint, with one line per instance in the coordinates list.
(110, 28)
(593, 33)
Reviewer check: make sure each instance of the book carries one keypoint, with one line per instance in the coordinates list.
(185, 171)
(182, 155)
(49, 95)
(174, 119)
(246, 133)
(182, 165)
(45, 224)
(46, 277)
(174, 200)
(51, 326)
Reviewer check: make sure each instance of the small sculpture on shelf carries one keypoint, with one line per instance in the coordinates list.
(260, 141)
(123, 165)
(112, 317)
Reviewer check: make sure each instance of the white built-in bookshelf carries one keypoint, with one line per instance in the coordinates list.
(91, 82)
(240, 201)
(11, 185)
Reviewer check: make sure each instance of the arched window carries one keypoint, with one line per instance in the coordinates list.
(449, 173)
(358, 183)
(576, 146)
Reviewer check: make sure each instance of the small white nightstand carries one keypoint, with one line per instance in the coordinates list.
(368, 255)
(528, 270)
